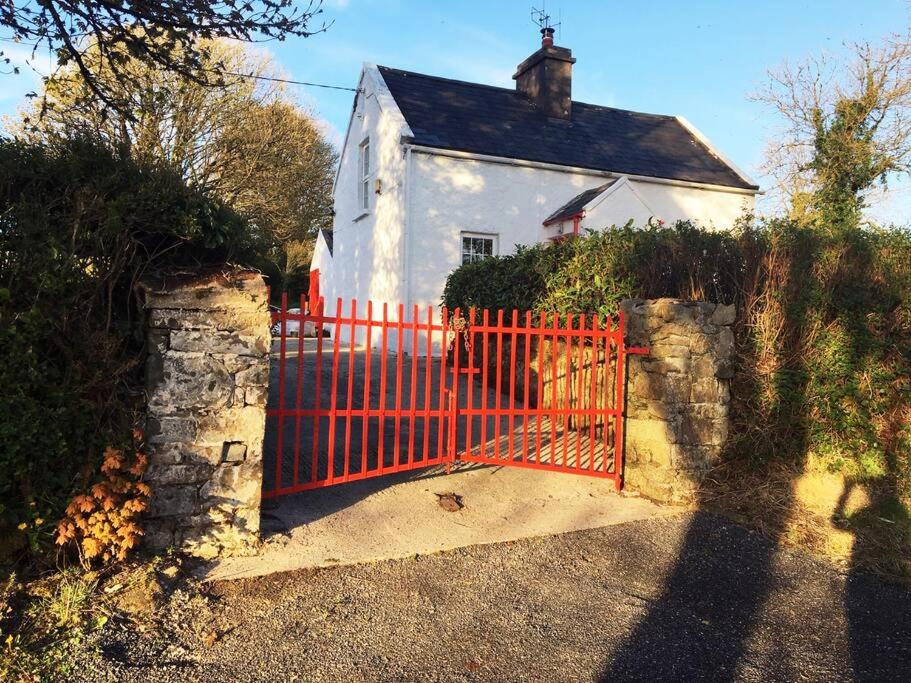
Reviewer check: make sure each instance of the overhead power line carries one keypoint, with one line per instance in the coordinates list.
(287, 80)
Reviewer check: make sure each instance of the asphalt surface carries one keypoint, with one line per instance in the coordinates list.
(691, 597)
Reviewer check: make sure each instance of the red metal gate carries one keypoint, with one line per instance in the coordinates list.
(381, 395)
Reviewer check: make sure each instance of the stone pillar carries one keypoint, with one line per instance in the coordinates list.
(678, 396)
(207, 382)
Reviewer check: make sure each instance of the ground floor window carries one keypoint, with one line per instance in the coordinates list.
(478, 246)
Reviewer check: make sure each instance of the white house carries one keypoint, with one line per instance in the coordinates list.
(436, 172)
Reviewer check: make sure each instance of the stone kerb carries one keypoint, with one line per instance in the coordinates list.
(678, 397)
(207, 384)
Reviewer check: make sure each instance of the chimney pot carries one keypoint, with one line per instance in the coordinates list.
(547, 37)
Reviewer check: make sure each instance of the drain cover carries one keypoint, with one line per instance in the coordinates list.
(451, 502)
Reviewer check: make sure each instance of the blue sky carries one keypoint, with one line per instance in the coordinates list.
(699, 58)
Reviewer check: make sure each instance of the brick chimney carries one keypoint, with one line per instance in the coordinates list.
(546, 77)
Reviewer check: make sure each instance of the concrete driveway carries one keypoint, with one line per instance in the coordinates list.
(400, 515)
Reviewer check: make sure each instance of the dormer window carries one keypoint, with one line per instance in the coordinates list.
(364, 175)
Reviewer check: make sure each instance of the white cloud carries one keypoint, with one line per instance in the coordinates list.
(332, 134)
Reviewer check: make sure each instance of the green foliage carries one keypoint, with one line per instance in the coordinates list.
(79, 225)
(42, 625)
(823, 332)
(846, 160)
(594, 273)
(247, 142)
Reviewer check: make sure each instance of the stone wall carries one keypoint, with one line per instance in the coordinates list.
(207, 385)
(678, 397)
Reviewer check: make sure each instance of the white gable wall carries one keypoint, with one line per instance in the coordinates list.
(369, 247)
(322, 259)
(617, 205)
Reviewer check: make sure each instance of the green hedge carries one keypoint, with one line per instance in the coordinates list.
(594, 273)
(79, 225)
(823, 333)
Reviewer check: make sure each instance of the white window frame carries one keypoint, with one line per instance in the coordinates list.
(493, 237)
(363, 173)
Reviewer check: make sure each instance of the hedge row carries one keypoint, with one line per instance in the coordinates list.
(824, 326)
(79, 225)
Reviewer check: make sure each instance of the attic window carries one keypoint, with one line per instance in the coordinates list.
(478, 246)
(364, 175)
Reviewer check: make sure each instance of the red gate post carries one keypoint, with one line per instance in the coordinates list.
(312, 294)
(620, 407)
(318, 329)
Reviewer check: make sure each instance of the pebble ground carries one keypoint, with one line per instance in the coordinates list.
(691, 597)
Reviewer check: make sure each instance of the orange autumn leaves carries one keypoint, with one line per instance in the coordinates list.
(103, 522)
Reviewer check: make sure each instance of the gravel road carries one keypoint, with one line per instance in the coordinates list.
(690, 597)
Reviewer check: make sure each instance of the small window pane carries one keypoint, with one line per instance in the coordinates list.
(476, 248)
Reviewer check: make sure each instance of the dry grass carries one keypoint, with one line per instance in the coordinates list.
(853, 528)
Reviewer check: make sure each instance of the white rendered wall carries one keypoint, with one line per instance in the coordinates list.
(450, 195)
(322, 260)
(368, 245)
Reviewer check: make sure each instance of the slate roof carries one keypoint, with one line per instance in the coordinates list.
(328, 236)
(575, 205)
(483, 119)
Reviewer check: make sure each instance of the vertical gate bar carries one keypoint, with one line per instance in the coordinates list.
(444, 347)
(451, 427)
(568, 368)
(368, 354)
(456, 377)
(428, 381)
(619, 398)
(593, 384)
(299, 393)
(470, 381)
(485, 322)
(346, 466)
(499, 382)
(412, 407)
(397, 443)
(314, 464)
(281, 392)
(333, 407)
(381, 436)
(553, 402)
(526, 372)
(512, 385)
(607, 408)
(539, 408)
(580, 389)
